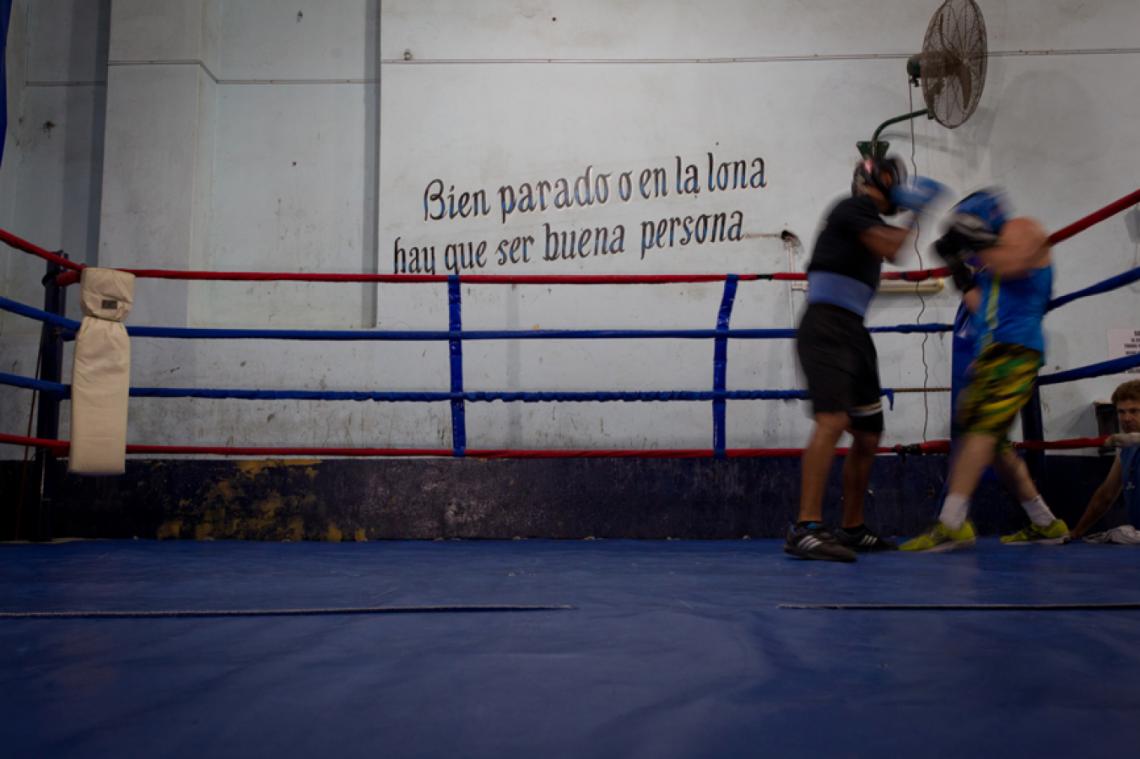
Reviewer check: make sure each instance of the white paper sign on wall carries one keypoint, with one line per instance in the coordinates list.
(1124, 342)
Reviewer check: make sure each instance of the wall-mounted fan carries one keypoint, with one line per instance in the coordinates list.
(951, 69)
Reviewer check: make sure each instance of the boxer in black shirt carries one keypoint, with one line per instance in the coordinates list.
(838, 356)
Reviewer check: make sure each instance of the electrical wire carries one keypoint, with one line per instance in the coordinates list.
(921, 265)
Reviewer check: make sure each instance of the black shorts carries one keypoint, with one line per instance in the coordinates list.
(838, 356)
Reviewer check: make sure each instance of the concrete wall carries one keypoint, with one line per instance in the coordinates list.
(250, 135)
(50, 179)
(426, 499)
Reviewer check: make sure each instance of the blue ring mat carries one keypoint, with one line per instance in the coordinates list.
(672, 649)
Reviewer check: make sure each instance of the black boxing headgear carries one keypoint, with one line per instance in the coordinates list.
(880, 173)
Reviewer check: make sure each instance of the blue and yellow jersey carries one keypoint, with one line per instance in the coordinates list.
(1012, 309)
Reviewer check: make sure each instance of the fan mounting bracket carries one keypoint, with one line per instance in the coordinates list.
(876, 148)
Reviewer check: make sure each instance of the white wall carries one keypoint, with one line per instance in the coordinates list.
(259, 136)
(49, 181)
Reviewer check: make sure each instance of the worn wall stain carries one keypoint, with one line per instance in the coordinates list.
(224, 491)
(424, 499)
(170, 529)
(267, 510)
(254, 467)
(295, 529)
(269, 499)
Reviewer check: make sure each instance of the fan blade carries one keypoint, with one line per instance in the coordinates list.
(965, 82)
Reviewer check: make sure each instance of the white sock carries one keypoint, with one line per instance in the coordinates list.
(954, 510)
(1038, 512)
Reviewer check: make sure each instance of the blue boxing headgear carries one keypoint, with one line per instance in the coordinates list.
(987, 206)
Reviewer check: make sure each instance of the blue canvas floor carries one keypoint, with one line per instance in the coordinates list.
(673, 649)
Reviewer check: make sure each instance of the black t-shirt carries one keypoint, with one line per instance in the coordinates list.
(839, 249)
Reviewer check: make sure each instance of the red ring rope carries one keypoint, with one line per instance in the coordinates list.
(911, 276)
(20, 243)
(69, 278)
(1095, 217)
(60, 447)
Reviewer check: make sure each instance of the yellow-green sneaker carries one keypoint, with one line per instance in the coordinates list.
(941, 538)
(1056, 533)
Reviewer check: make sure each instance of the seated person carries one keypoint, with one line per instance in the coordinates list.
(1124, 475)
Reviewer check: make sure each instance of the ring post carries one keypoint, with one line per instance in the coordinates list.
(47, 418)
(1033, 429)
(455, 351)
(720, 364)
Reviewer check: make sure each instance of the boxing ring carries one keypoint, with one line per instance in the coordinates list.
(58, 328)
(610, 648)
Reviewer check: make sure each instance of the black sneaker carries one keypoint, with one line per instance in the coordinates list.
(813, 541)
(863, 540)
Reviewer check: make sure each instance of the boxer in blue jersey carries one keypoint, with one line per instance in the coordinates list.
(1008, 466)
(1123, 479)
(1007, 295)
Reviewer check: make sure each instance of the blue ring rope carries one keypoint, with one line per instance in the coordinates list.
(454, 335)
(30, 383)
(1112, 366)
(538, 334)
(441, 335)
(6, 304)
(1112, 283)
(428, 396)
(1103, 368)
(186, 333)
(39, 315)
